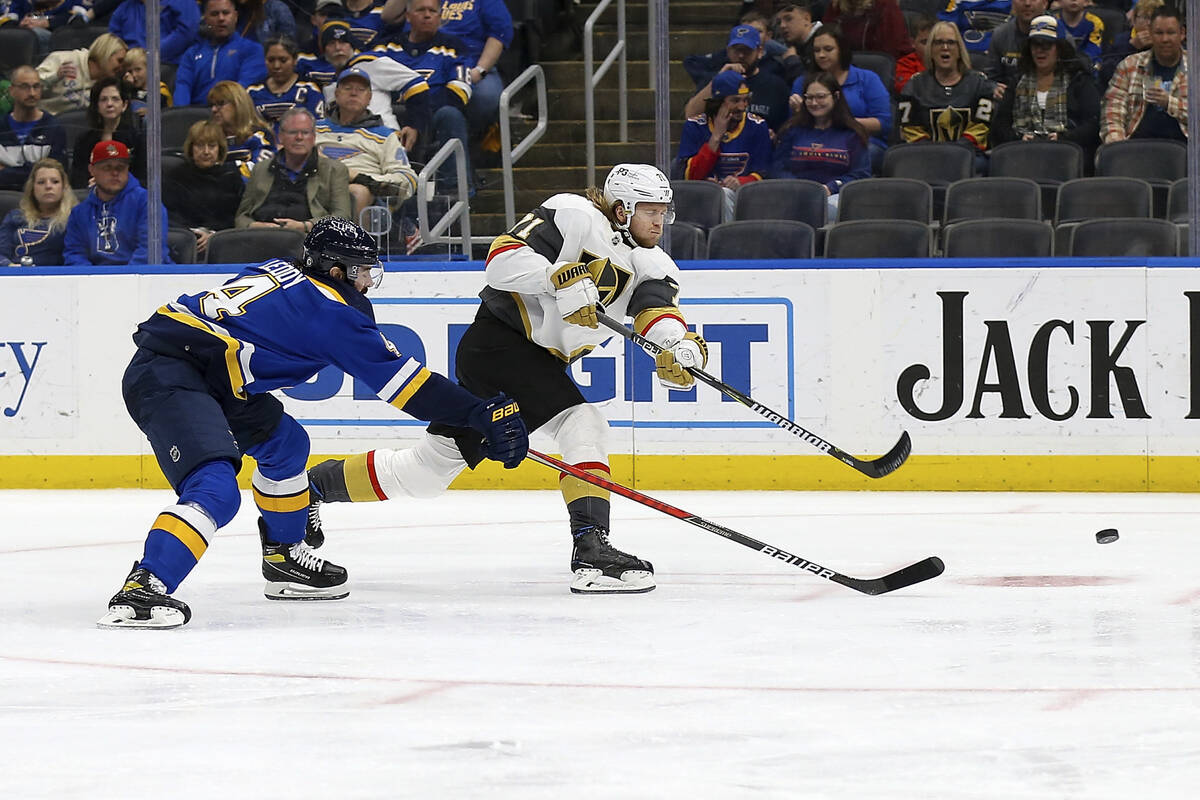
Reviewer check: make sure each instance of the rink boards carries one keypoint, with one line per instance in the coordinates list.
(1084, 375)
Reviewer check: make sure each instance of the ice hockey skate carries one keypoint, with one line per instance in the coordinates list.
(314, 534)
(143, 602)
(294, 572)
(600, 568)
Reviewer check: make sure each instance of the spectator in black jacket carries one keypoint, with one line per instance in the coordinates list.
(109, 116)
(27, 134)
(743, 54)
(202, 194)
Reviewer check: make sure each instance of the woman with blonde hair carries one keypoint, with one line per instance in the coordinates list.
(32, 233)
(247, 136)
(202, 194)
(68, 75)
(949, 101)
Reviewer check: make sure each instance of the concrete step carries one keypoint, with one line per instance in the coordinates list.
(573, 131)
(565, 74)
(718, 13)
(683, 41)
(491, 201)
(640, 103)
(564, 154)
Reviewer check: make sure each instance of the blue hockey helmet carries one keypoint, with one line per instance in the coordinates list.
(336, 242)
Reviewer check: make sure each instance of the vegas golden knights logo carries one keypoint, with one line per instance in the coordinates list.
(610, 279)
(950, 123)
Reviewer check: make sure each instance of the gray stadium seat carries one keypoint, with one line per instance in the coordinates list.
(976, 198)
(176, 122)
(181, 243)
(248, 245)
(9, 199)
(783, 198)
(17, 47)
(1048, 163)
(998, 238)
(765, 238)
(1158, 161)
(886, 198)
(687, 242)
(878, 238)
(1134, 236)
(1088, 198)
(701, 203)
(1177, 201)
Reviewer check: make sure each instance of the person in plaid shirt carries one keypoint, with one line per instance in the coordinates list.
(1148, 94)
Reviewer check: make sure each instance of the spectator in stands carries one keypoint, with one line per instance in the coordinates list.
(1148, 95)
(27, 133)
(335, 46)
(364, 17)
(702, 67)
(372, 153)
(298, 185)
(111, 226)
(773, 49)
(221, 54)
(976, 20)
(823, 142)
(726, 145)
(43, 16)
(861, 89)
(1083, 28)
(874, 25)
(260, 20)
(797, 28)
(179, 22)
(32, 233)
(1126, 43)
(1008, 40)
(134, 77)
(283, 88)
(486, 28)
(441, 58)
(768, 92)
(203, 193)
(247, 136)
(1055, 98)
(68, 75)
(109, 117)
(949, 102)
(919, 26)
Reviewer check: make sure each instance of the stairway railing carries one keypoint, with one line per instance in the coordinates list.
(592, 76)
(459, 210)
(510, 155)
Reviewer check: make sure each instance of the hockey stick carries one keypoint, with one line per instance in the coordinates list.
(923, 570)
(886, 464)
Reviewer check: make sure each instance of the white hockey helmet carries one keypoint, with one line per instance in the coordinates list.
(631, 184)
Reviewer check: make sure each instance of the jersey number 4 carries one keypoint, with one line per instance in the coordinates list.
(231, 299)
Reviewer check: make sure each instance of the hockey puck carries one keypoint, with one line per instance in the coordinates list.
(1107, 536)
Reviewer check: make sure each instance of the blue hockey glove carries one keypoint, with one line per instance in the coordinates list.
(504, 434)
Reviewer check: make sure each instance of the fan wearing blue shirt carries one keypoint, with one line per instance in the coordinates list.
(221, 54)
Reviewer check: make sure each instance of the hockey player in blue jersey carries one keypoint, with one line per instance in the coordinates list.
(198, 387)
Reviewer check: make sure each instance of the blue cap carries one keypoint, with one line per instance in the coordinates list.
(354, 72)
(745, 34)
(729, 82)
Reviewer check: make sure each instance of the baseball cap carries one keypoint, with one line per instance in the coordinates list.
(1044, 27)
(354, 72)
(728, 83)
(333, 31)
(103, 151)
(745, 34)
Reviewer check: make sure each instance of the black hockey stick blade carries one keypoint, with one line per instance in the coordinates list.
(914, 573)
(886, 464)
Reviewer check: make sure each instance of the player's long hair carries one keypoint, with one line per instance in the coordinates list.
(245, 119)
(602, 205)
(841, 115)
(29, 206)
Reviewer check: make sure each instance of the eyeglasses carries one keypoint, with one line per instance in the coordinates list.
(944, 43)
(28, 87)
(816, 98)
(218, 103)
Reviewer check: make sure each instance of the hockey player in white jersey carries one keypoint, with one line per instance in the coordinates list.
(546, 277)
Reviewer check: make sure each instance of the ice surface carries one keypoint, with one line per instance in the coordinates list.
(1041, 665)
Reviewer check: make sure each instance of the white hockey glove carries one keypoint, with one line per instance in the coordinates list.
(575, 293)
(672, 363)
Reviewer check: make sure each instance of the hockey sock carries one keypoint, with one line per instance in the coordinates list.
(283, 504)
(587, 505)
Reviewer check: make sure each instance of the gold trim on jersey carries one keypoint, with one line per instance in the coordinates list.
(325, 290)
(504, 241)
(237, 379)
(573, 488)
(188, 536)
(415, 383)
(528, 326)
(642, 321)
(281, 504)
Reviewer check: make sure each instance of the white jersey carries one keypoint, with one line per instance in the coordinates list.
(639, 282)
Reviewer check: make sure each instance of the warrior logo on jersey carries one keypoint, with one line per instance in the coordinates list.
(610, 279)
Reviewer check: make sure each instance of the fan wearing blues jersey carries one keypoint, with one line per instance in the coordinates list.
(199, 387)
(284, 89)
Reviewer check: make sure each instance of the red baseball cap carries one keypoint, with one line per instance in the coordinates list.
(103, 151)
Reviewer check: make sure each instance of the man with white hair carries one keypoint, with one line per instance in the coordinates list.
(545, 280)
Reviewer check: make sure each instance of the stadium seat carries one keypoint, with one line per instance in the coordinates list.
(765, 238)
(9, 199)
(882, 64)
(17, 47)
(701, 203)
(1184, 245)
(998, 238)
(249, 245)
(176, 122)
(1133, 236)
(1177, 201)
(976, 198)
(1087, 198)
(878, 238)
(937, 163)
(181, 243)
(785, 198)
(1048, 163)
(75, 37)
(1158, 161)
(74, 124)
(687, 242)
(169, 162)
(886, 198)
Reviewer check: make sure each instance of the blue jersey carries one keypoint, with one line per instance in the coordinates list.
(745, 150)
(1088, 36)
(271, 326)
(246, 154)
(976, 19)
(301, 94)
(315, 68)
(476, 21)
(440, 61)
